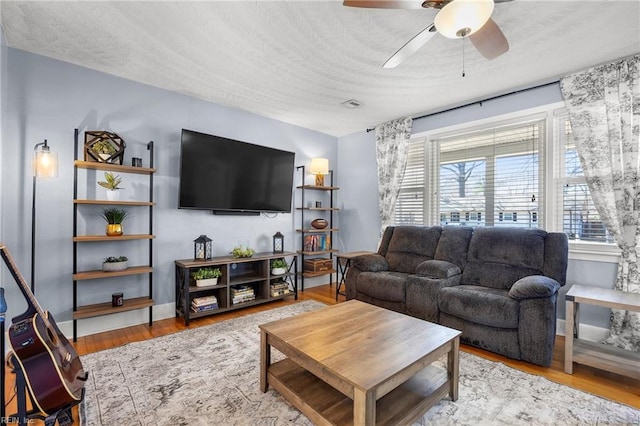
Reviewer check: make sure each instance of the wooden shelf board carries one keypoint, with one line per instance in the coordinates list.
(313, 253)
(90, 238)
(246, 279)
(308, 274)
(221, 260)
(321, 209)
(605, 357)
(319, 188)
(195, 289)
(326, 405)
(132, 270)
(99, 309)
(115, 203)
(93, 165)
(316, 231)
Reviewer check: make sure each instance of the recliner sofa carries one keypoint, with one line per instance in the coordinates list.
(499, 286)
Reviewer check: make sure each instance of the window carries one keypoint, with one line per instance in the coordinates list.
(494, 176)
(491, 172)
(579, 217)
(409, 207)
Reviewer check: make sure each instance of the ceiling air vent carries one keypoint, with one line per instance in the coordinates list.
(351, 103)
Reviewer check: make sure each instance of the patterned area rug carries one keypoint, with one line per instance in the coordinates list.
(210, 376)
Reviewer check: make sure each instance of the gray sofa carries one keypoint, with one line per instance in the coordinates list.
(497, 285)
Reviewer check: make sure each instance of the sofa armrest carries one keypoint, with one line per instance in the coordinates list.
(438, 269)
(371, 263)
(534, 287)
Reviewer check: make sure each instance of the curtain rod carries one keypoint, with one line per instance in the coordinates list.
(480, 102)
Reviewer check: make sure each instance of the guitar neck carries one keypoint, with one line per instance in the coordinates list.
(22, 284)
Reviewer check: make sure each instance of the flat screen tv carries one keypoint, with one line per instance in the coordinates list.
(229, 176)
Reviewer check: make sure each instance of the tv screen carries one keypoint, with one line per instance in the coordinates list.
(226, 175)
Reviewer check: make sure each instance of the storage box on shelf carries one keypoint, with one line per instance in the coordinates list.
(106, 308)
(316, 244)
(244, 282)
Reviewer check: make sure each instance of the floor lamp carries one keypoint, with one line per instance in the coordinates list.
(45, 165)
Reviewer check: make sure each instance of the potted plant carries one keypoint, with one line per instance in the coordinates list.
(242, 251)
(111, 183)
(278, 266)
(206, 276)
(104, 149)
(113, 264)
(114, 217)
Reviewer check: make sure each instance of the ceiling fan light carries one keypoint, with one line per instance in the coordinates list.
(461, 18)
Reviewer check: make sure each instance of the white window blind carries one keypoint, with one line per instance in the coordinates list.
(575, 209)
(491, 177)
(410, 204)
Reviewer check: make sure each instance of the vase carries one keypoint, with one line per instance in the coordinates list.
(278, 271)
(114, 229)
(114, 266)
(113, 194)
(206, 282)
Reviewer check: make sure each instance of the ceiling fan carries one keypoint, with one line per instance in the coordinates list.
(455, 19)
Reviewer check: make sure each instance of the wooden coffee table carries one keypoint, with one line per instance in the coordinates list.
(355, 363)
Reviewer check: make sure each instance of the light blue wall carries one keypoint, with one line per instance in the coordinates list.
(47, 99)
(360, 222)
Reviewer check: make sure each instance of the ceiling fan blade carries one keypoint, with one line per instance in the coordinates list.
(489, 40)
(410, 47)
(384, 4)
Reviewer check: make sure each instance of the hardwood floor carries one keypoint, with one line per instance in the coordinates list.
(597, 382)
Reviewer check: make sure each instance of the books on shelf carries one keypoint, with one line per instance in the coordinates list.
(279, 288)
(242, 293)
(321, 242)
(203, 304)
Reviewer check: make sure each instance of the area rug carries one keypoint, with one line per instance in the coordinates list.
(210, 376)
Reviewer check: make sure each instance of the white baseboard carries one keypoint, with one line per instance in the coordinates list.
(586, 331)
(124, 319)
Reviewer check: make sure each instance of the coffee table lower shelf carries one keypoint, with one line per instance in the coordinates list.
(324, 405)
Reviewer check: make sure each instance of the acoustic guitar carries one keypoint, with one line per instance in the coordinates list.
(51, 366)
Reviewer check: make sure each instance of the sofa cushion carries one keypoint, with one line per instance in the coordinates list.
(454, 244)
(370, 263)
(385, 285)
(498, 257)
(437, 269)
(481, 305)
(534, 287)
(410, 246)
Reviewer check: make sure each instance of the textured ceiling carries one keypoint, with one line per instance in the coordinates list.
(296, 61)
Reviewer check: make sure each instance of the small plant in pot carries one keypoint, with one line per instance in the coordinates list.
(278, 266)
(111, 183)
(104, 149)
(206, 276)
(114, 217)
(113, 264)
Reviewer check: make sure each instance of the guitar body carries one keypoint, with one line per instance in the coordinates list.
(51, 366)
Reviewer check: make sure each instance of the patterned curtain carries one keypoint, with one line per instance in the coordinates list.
(604, 110)
(391, 154)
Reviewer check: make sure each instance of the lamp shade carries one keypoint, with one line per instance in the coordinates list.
(45, 162)
(319, 166)
(461, 18)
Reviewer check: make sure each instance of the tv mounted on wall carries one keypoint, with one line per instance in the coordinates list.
(229, 176)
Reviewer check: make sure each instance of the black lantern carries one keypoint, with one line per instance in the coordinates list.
(278, 243)
(202, 248)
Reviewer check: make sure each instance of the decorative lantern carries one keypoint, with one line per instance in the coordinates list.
(202, 248)
(278, 243)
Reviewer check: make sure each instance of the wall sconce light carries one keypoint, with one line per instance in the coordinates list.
(202, 248)
(319, 167)
(45, 165)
